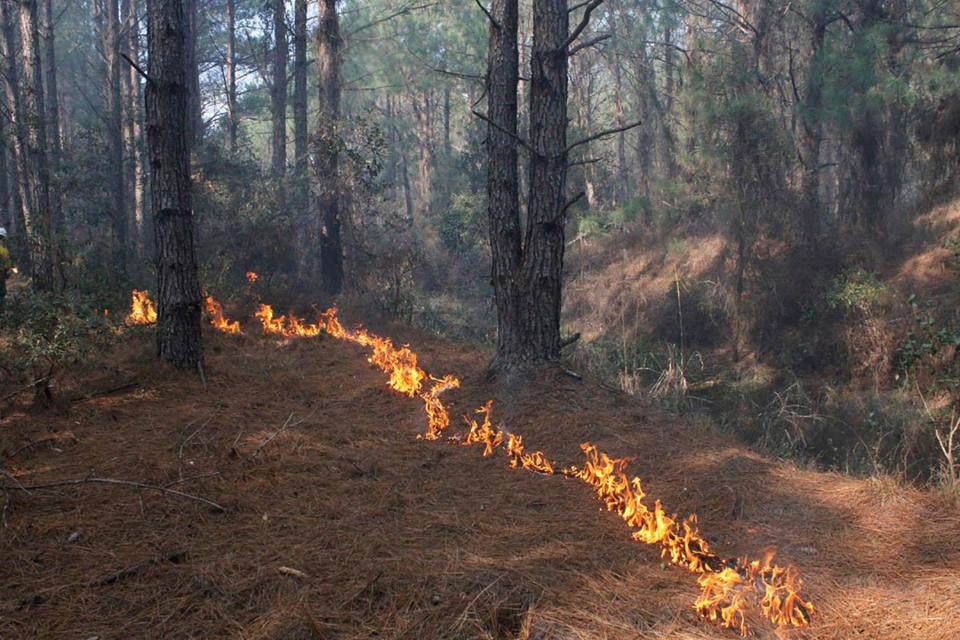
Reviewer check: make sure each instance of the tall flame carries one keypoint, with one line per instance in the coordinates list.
(217, 319)
(142, 310)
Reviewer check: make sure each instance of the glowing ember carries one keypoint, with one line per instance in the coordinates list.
(142, 310)
(252, 276)
(217, 320)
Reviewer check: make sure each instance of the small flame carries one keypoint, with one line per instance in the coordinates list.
(217, 320)
(252, 276)
(142, 310)
(438, 419)
(287, 326)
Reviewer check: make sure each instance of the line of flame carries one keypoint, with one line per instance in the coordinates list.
(723, 581)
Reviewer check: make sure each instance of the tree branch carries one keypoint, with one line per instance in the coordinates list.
(603, 134)
(584, 21)
(496, 25)
(125, 483)
(589, 43)
(523, 143)
(135, 66)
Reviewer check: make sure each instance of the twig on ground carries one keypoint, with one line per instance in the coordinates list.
(286, 424)
(171, 556)
(114, 481)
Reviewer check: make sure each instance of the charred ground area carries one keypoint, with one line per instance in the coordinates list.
(338, 523)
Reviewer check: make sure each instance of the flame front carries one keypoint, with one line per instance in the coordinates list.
(729, 587)
(217, 319)
(142, 310)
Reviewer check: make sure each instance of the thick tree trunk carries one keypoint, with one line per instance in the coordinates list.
(278, 90)
(542, 268)
(231, 72)
(300, 135)
(328, 147)
(503, 182)
(118, 214)
(178, 324)
(30, 137)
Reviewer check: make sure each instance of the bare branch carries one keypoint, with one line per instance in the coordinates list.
(496, 25)
(114, 481)
(584, 21)
(589, 43)
(135, 66)
(523, 143)
(602, 134)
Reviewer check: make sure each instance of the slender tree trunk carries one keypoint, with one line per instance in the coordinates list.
(194, 108)
(133, 123)
(623, 180)
(669, 152)
(118, 216)
(179, 339)
(53, 134)
(422, 114)
(300, 135)
(278, 89)
(812, 133)
(231, 76)
(6, 219)
(30, 138)
(328, 146)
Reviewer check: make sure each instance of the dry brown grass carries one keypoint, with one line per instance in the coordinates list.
(397, 538)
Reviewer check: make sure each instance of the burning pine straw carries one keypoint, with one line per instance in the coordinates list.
(725, 583)
(336, 528)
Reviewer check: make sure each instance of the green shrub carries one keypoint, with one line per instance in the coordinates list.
(857, 290)
(42, 333)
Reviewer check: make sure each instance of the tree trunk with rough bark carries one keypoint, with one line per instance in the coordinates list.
(53, 128)
(503, 180)
(192, 69)
(179, 339)
(112, 93)
(328, 146)
(300, 135)
(133, 123)
(25, 95)
(231, 73)
(278, 90)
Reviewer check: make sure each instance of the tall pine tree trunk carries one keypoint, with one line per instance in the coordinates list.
(811, 127)
(192, 69)
(300, 134)
(231, 73)
(112, 92)
(278, 90)
(25, 95)
(133, 123)
(53, 130)
(328, 142)
(178, 324)
(503, 180)
(542, 270)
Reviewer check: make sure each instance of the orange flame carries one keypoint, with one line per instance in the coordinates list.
(217, 320)
(726, 584)
(287, 326)
(252, 276)
(142, 310)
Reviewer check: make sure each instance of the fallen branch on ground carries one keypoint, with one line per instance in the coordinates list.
(124, 483)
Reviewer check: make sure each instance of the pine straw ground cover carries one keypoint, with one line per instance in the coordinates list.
(338, 523)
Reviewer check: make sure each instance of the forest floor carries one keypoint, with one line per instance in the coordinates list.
(339, 523)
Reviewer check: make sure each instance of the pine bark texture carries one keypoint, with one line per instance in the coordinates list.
(328, 147)
(112, 91)
(178, 324)
(278, 90)
(300, 133)
(25, 95)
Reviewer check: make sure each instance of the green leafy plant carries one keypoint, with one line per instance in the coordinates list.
(40, 334)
